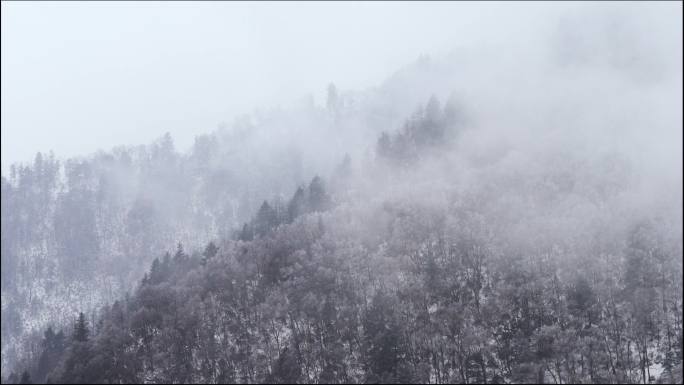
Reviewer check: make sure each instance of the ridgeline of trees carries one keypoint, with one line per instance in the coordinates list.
(269, 216)
(426, 132)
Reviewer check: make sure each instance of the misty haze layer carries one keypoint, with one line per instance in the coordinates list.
(507, 210)
(126, 73)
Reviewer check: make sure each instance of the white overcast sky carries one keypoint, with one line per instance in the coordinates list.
(77, 77)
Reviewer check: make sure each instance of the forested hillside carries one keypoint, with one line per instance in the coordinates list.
(498, 214)
(78, 233)
(446, 282)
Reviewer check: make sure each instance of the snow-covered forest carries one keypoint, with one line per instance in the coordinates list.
(504, 213)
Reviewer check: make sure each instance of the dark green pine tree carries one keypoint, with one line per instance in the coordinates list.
(265, 219)
(81, 331)
(53, 347)
(246, 234)
(581, 299)
(342, 172)
(79, 354)
(383, 341)
(319, 200)
(180, 253)
(297, 205)
(209, 252)
(384, 146)
(155, 272)
(286, 370)
(25, 378)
